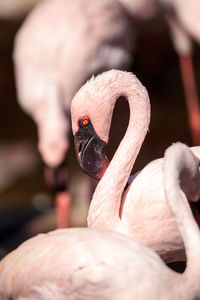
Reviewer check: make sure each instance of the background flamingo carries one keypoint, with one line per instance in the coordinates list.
(140, 212)
(183, 20)
(51, 64)
(110, 260)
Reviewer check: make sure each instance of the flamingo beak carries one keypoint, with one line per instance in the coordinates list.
(57, 178)
(90, 152)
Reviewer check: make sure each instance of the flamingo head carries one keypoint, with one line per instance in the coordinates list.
(91, 112)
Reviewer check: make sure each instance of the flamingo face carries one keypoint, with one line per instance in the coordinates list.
(90, 149)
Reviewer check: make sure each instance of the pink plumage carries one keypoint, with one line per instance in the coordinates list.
(182, 16)
(140, 212)
(85, 263)
(60, 44)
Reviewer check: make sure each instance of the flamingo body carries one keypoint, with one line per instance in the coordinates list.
(146, 217)
(80, 263)
(85, 263)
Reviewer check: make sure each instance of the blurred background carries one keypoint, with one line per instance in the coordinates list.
(26, 204)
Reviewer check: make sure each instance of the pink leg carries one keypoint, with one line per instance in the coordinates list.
(57, 181)
(62, 204)
(193, 109)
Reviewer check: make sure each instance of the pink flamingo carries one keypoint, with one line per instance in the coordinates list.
(60, 44)
(183, 21)
(86, 263)
(182, 17)
(140, 211)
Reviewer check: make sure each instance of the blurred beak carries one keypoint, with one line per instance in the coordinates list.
(57, 178)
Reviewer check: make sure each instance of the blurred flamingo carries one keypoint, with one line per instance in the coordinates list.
(85, 263)
(60, 44)
(183, 21)
(182, 17)
(140, 211)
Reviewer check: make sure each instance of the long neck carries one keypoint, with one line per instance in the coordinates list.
(105, 205)
(181, 172)
(50, 110)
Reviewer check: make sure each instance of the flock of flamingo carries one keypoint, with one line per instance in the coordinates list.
(70, 59)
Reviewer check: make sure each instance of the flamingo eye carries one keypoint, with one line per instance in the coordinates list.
(84, 122)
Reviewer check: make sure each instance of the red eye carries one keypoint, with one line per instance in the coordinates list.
(84, 122)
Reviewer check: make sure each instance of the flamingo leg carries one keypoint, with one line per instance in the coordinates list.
(192, 103)
(57, 180)
(62, 206)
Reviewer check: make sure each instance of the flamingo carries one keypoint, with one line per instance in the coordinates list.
(59, 45)
(139, 212)
(182, 17)
(88, 263)
(183, 20)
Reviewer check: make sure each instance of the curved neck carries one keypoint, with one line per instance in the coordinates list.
(50, 109)
(181, 172)
(105, 206)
